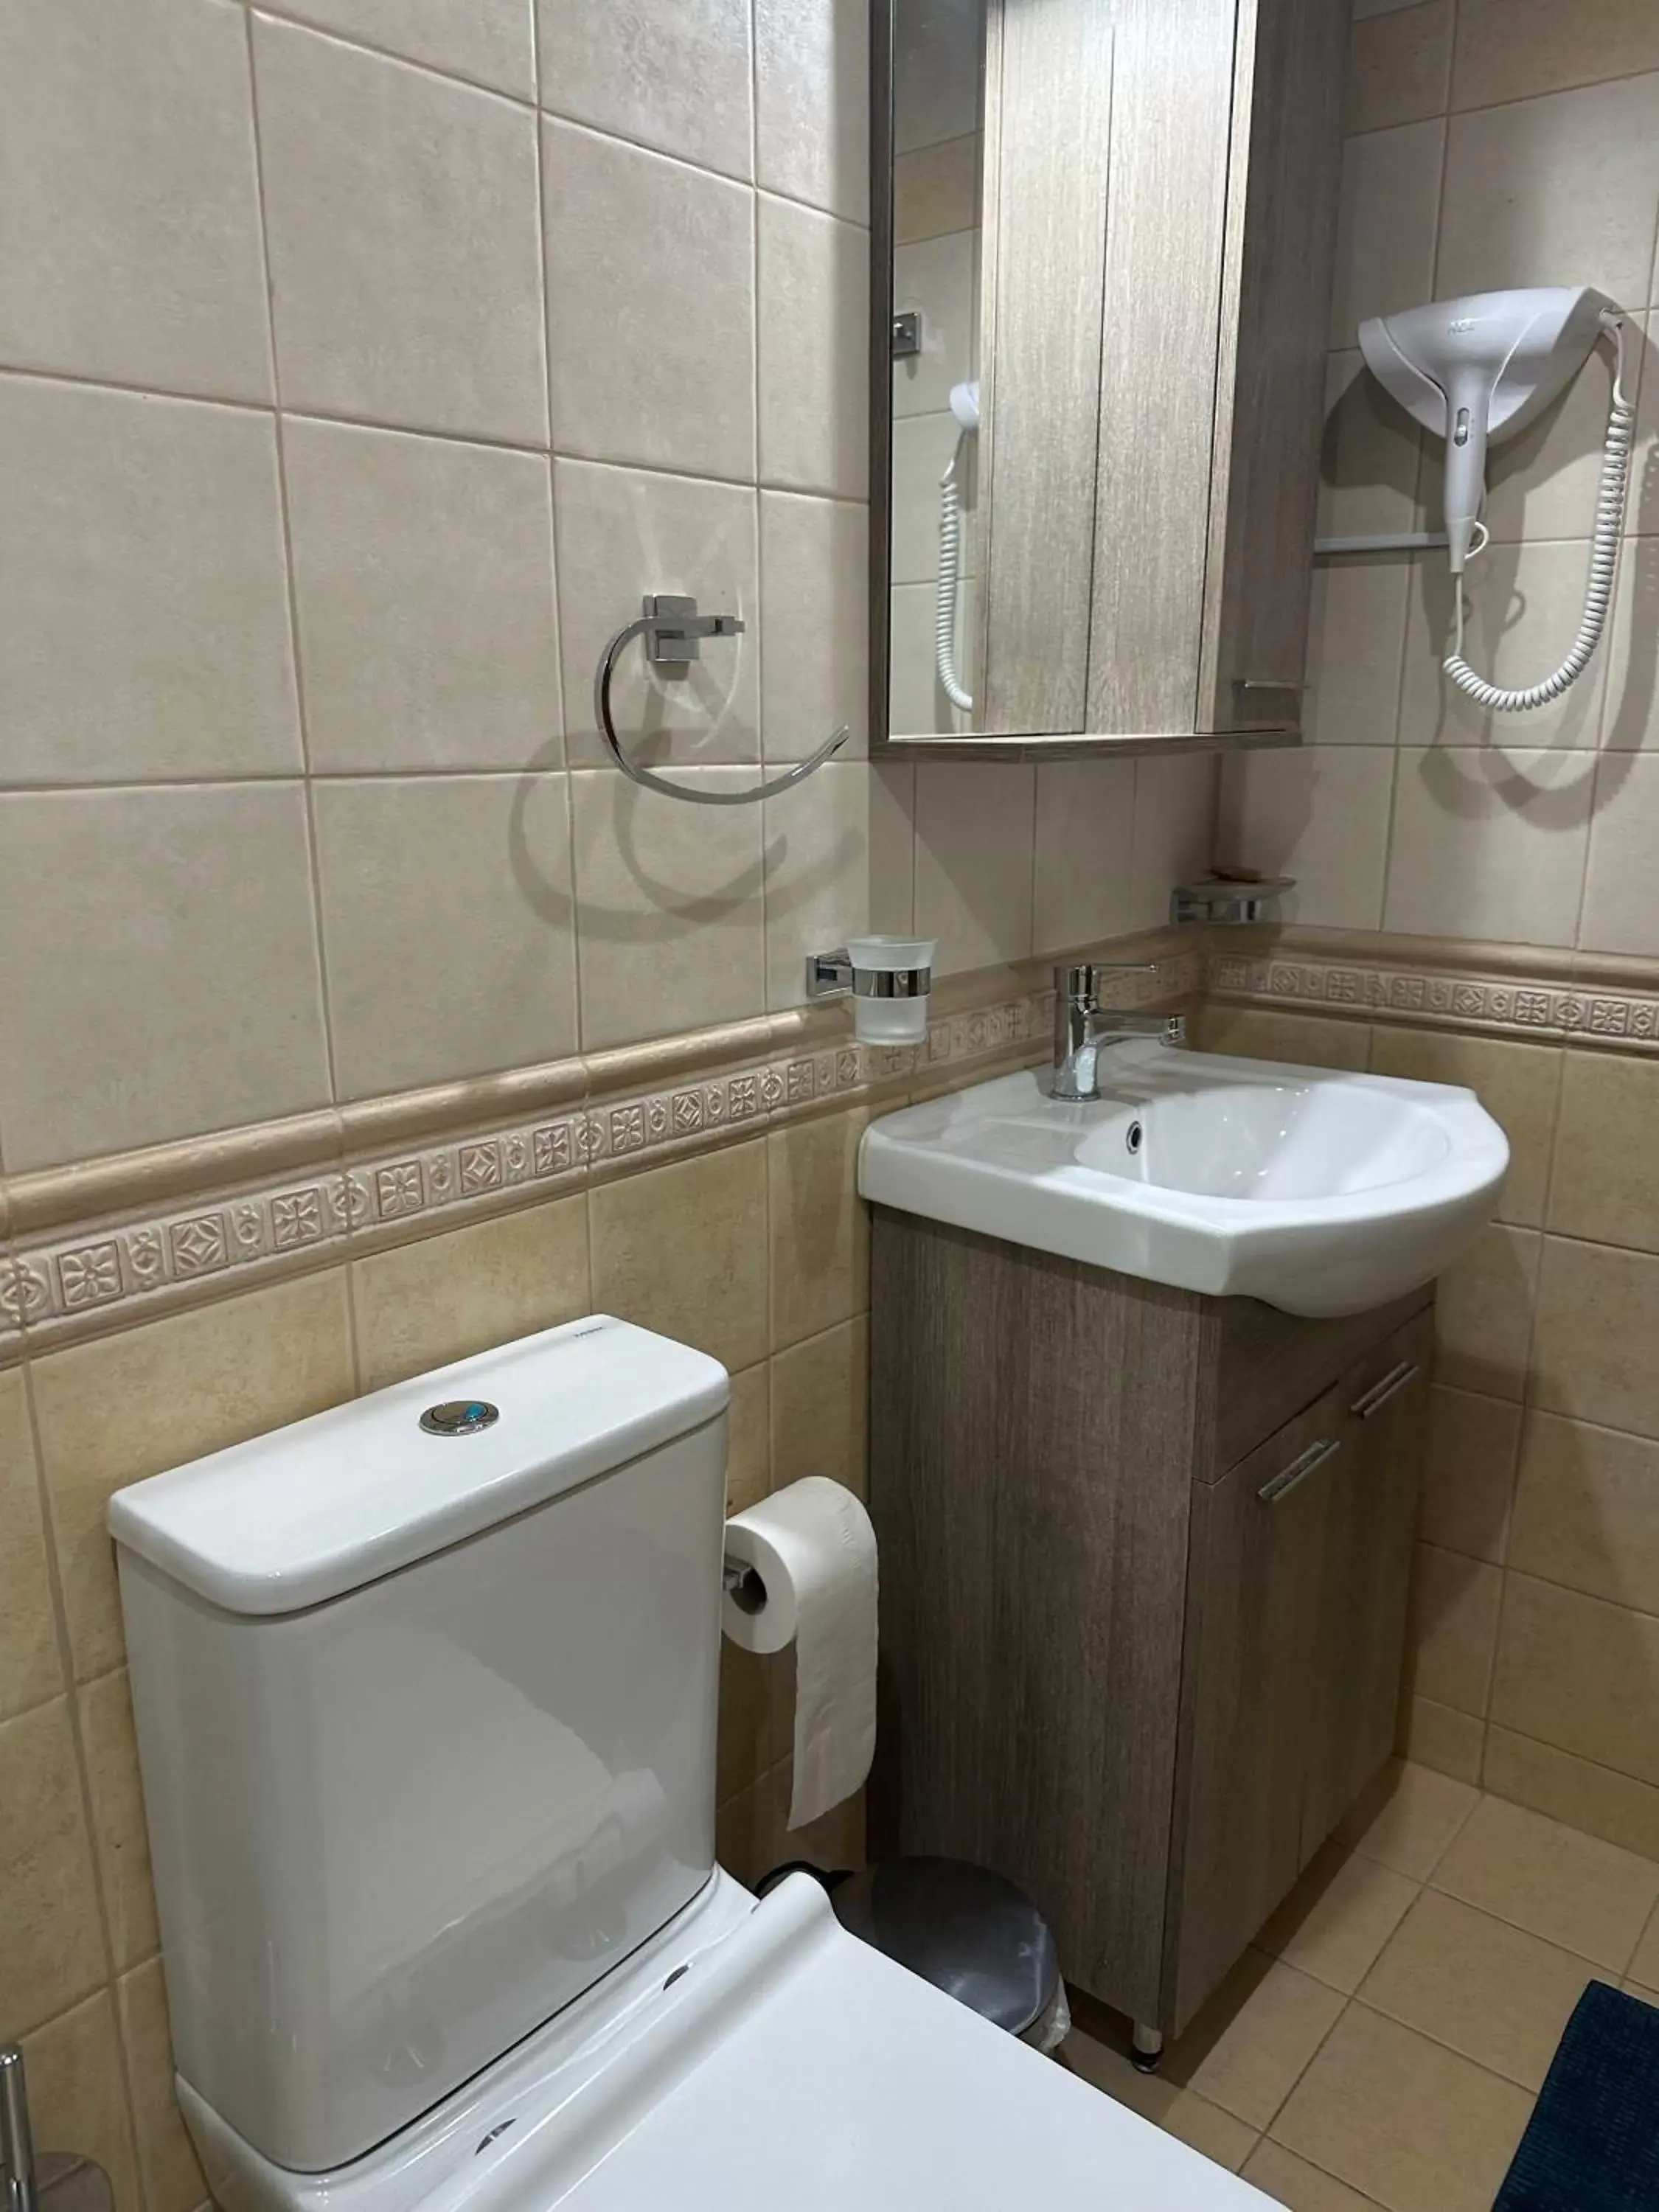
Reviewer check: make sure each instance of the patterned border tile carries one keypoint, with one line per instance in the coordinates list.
(1505, 1006)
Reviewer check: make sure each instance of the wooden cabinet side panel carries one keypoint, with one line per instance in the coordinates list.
(1031, 1426)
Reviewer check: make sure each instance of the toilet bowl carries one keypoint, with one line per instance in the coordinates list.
(425, 1690)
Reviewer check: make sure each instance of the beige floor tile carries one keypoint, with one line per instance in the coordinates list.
(1635, 1989)
(1499, 1996)
(1644, 1964)
(1289, 2180)
(1098, 2055)
(1207, 2129)
(1402, 2119)
(1615, 1806)
(1251, 2042)
(1407, 1817)
(1336, 1920)
(1571, 1889)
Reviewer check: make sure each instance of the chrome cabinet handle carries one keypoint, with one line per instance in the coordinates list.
(1374, 1399)
(1289, 1478)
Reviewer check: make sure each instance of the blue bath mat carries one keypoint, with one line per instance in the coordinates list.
(1592, 2144)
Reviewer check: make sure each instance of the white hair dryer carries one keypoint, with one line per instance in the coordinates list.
(1480, 368)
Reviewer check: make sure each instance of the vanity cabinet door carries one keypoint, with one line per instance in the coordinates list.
(1256, 1617)
(1373, 1514)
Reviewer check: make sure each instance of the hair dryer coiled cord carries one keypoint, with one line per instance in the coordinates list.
(1603, 563)
(950, 567)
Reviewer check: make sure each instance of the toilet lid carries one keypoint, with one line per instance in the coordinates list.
(802, 2071)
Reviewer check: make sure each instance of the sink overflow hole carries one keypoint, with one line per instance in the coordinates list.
(1134, 1139)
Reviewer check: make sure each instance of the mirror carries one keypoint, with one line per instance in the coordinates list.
(1102, 234)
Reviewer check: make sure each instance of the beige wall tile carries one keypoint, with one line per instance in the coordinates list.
(974, 842)
(448, 929)
(173, 2178)
(922, 446)
(1403, 2120)
(1407, 1817)
(1587, 1896)
(1570, 181)
(840, 860)
(488, 41)
(813, 102)
(423, 584)
(748, 1439)
(74, 2069)
(820, 1407)
(1489, 845)
(111, 1413)
(1468, 1472)
(30, 1669)
(1479, 1986)
(1368, 452)
(1450, 1742)
(820, 1226)
(1598, 1322)
(1356, 634)
(1587, 1511)
(425, 1304)
(936, 278)
(1399, 66)
(1248, 2046)
(163, 976)
(936, 189)
(1290, 2180)
(1338, 1918)
(131, 246)
(1629, 714)
(672, 934)
(1086, 837)
(660, 369)
(400, 212)
(118, 1815)
(1511, 49)
(1175, 832)
(1454, 1628)
(1619, 913)
(1542, 483)
(756, 1700)
(1515, 1083)
(1547, 583)
(682, 1249)
(620, 530)
(1385, 225)
(1302, 1040)
(52, 1949)
(1580, 1674)
(815, 583)
(145, 628)
(677, 80)
(1320, 816)
(915, 702)
(1483, 1313)
(1614, 1806)
(814, 280)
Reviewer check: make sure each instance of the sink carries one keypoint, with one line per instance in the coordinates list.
(1319, 1192)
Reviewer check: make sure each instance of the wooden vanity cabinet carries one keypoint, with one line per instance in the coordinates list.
(1144, 1557)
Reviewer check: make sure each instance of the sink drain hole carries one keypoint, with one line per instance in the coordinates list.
(1135, 1138)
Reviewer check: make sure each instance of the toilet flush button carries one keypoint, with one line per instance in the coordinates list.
(459, 1417)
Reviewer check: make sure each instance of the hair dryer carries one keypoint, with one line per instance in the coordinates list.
(1483, 367)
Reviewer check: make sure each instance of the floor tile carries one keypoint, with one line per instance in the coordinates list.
(1207, 2129)
(1497, 1993)
(1252, 2039)
(1407, 1817)
(1098, 2060)
(1289, 2180)
(1644, 1964)
(1635, 1989)
(1571, 1889)
(1336, 1920)
(1403, 2120)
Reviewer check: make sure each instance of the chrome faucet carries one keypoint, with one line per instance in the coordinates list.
(1084, 1028)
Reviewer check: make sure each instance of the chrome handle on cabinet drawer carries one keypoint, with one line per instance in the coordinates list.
(1373, 1401)
(1288, 1478)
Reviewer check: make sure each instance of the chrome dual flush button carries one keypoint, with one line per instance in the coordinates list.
(459, 1417)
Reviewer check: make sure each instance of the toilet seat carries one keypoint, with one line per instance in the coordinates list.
(785, 2067)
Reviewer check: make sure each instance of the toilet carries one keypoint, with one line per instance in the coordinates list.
(425, 1690)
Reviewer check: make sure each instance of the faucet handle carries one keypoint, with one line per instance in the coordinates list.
(1081, 979)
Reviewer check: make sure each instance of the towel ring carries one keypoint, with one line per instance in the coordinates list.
(671, 627)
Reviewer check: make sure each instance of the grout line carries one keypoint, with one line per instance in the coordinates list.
(272, 11)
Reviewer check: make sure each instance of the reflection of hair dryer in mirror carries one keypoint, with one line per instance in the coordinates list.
(1480, 368)
(964, 405)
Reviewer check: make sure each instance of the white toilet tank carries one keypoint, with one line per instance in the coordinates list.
(426, 1722)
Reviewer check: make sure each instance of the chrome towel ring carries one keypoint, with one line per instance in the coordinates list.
(671, 628)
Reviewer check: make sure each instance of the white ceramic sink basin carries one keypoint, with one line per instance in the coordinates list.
(1319, 1192)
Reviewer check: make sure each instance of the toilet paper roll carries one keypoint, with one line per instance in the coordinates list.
(814, 1553)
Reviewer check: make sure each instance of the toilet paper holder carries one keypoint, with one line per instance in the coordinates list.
(741, 1585)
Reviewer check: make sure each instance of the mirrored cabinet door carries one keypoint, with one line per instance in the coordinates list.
(1104, 232)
